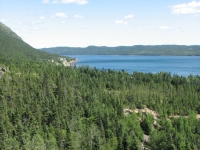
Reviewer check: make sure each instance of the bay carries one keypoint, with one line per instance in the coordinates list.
(180, 65)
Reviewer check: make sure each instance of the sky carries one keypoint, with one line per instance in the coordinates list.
(81, 23)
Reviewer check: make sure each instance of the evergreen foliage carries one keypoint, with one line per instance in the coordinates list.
(55, 107)
(44, 106)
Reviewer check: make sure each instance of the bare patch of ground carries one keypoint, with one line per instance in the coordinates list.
(149, 111)
(156, 116)
(127, 111)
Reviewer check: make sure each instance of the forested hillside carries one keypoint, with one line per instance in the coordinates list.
(12, 46)
(156, 50)
(46, 106)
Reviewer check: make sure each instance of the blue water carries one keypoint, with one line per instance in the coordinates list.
(180, 65)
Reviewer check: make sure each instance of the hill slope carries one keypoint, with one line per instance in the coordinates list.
(170, 50)
(12, 46)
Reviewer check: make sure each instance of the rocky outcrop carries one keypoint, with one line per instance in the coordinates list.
(2, 71)
(68, 63)
(148, 111)
(127, 111)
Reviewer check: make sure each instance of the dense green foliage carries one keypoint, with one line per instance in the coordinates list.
(45, 106)
(157, 50)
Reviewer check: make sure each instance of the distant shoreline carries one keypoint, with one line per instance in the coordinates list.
(140, 50)
(123, 55)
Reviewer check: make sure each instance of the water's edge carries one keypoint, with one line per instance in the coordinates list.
(180, 65)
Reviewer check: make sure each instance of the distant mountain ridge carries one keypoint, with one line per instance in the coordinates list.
(157, 50)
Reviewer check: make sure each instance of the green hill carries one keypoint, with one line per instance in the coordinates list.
(12, 46)
(156, 50)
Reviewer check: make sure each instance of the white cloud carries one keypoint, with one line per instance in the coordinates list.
(55, 1)
(32, 24)
(121, 22)
(61, 15)
(79, 2)
(45, 1)
(189, 8)
(63, 22)
(129, 16)
(35, 28)
(78, 16)
(42, 17)
(164, 27)
(125, 23)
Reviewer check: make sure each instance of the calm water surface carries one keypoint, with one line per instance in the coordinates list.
(181, 65)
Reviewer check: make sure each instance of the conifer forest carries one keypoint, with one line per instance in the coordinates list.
(49, 106)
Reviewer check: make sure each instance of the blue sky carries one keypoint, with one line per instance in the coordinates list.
(80, 23)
